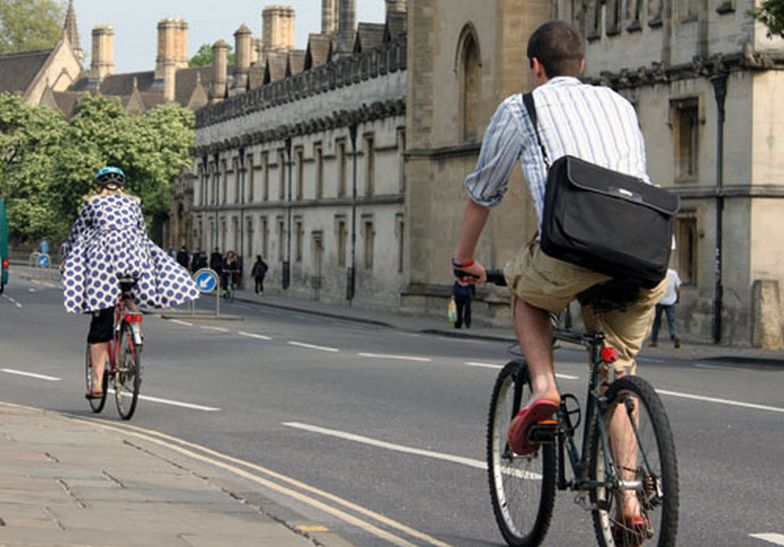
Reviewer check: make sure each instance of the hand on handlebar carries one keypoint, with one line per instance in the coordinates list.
(474, 274)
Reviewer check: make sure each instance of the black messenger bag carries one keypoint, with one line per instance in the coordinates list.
(603, 220)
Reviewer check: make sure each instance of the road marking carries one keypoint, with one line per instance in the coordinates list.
(776, 539)
(721, 401)
(303, 317)
(180, 322)
(32, 375)
(30, 289)
(483, 365)
(251, 335)
(17, 304)
(168, 441)
(173, 403)
(390, 446)
(490, 365)
(398, 357)
(219, 329)
(311, 346)
(714, 367)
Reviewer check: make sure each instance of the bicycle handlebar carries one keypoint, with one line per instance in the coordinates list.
(494, 276)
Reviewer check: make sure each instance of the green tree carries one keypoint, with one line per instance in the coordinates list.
(203, 57)
(30, 24)
(30, 138)
(771, 14)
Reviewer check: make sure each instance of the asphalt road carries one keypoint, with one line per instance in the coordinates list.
(389, 424)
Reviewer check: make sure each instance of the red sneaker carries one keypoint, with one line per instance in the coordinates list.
(541, 409)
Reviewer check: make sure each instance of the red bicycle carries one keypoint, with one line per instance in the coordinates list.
(124, 366)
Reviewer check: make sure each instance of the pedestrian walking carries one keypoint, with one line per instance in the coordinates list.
(463, 295)
(216, 261)
(182, 257)
(258, 272)
(666, 305)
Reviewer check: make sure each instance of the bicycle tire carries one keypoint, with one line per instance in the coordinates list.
(522, 488)
(95, 404)
(655, 470)
(128, 379)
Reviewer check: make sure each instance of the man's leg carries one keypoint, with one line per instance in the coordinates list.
(467, 313)
(656, 325)
(671, 325)
(535, 334)
(460, 307)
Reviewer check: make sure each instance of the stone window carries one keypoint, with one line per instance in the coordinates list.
(685, 116)
(249, 242)
(369, 236)
(632, 15)
(341, 158)
(264, 238)
(725, 6)
(251, 174)
(469, 64)
(224, 181)
(281, 239)
(579, 12)
(235, 228)
(281, 175)
(318, 156)
(223, 235)
(299, 233)
(265, 176)
(685, 253)
(655, 13)
(401, 150)
(688, 10)
(342, 238)
(612, 12)
(370, 165)
(299, 154)
(592, 20)
(237, 182)
(400, 232)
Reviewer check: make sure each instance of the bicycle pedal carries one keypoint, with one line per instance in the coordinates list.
(543, 431)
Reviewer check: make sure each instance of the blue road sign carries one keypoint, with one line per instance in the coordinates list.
(206, 279)
(43, 260)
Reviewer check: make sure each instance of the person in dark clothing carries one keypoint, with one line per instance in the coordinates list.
(182, 257)
(196, 261)
(258, 272)
(463, 295)
(216, 261)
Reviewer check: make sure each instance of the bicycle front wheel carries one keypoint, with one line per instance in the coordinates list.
(95, 404)
(522, 488)
(635, 463)
(128, 379)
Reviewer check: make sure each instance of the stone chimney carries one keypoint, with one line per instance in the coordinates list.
(347, 16)
(181, 44)
(220, 53)
(167, 31)
(242, 47)
(396, 6)
(278, 28)
(329, 15)
(102, 64)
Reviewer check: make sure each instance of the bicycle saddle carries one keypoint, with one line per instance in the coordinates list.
(616, 294)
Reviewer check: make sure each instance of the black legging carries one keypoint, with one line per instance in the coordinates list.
(101, 326)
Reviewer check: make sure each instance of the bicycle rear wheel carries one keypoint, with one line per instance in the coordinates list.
(643, 462)
(128, 379)
(95, 404)
(522, 488)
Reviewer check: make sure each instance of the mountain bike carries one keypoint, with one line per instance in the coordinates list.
(523, 488)
(123, 370)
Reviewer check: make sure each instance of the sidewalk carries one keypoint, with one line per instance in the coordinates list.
(65, 481)
(440, 326)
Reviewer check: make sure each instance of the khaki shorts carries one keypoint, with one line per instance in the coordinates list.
(551, 284)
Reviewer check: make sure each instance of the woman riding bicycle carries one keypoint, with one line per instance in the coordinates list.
(109, 241)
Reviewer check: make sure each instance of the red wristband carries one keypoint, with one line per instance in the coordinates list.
(468, 264)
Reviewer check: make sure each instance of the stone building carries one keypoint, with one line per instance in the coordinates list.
(305, 168)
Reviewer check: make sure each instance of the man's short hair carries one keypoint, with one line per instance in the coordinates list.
(559, 47)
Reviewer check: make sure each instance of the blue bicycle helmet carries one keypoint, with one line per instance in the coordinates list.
(110, 175)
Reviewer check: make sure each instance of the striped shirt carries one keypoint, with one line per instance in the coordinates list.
(589, 122)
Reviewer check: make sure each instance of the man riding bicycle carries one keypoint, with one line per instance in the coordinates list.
(589, 122)
(108, 242)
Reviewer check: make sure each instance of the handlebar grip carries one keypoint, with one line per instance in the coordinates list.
(496, 277)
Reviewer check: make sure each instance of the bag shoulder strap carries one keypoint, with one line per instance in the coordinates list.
(530, 106)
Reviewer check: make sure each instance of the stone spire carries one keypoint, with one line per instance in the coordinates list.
(71, 31)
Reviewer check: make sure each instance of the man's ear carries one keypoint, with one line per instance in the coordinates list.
(582, 65)
(538, 69)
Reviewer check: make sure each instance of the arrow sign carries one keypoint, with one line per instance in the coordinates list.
(206, 279)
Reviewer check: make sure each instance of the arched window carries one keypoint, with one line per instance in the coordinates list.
(468, 69)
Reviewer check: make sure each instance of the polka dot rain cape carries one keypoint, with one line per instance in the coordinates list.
(109, 240)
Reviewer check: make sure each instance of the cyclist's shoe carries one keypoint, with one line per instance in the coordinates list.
(94, 395)
(540, 409)
(631, 532)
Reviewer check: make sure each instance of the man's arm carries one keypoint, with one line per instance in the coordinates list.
(471, 226)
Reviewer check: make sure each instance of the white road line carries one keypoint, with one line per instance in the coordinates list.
(776, 539)
(490, 365)
(311, 346)
(219, 329)
(179, 322)
(720, 401)
(483, 365)
(398, 357)
(32, 375)
(390, 446)
(714, 367)
(303, 317)
(17, 304)
(251, 335)
(173, 403)
(30, 289)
